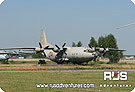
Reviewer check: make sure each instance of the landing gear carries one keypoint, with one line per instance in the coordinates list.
(5, 61)
(63, 62)
(41, 62)
(78, 63)
(86, 63)
(95, 59)
(60, 62)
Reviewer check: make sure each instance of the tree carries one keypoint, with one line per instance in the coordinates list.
(37, 55)
(93, 42)
(111, 42)
(101, 41)
(79, 44)
(73, 44)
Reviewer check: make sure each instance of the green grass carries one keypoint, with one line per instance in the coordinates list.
(26, 81)
(22, 62)
(32, 65)
(71, 64)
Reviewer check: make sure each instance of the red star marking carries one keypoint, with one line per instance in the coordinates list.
(50, 54)
(115, 74)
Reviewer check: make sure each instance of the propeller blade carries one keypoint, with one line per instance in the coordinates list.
(44, 54)
(110, 53)
(104, 54)
(59, 54)
(40, 45)
(96, 48)
(103, 47)
(64, 50)
(65, 53)
(63, 45)
(57, 46)
(89, 46)
(46, 47)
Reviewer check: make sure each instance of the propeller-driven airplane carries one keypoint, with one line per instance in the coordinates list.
(76, 55)
(3, 56)
(6, 55)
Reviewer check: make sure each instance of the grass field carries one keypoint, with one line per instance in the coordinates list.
(32, 65)
(26, 81)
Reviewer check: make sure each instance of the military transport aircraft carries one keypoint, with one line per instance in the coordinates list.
(6, 55)
(76, 55)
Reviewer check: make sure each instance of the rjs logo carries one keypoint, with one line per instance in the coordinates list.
(115, 75)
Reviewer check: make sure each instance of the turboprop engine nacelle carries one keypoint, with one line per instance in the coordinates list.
(55, 49)
(37, 49)
(103, 50)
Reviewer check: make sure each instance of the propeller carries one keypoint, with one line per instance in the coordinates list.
(95, 48)
(61, 51)
(108, 49)
(40, 45)
(57, 47)
(41, 49)
(90, 46)
(102, 50)
(63, 45)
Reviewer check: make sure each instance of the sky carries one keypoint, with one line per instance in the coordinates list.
(66, 21)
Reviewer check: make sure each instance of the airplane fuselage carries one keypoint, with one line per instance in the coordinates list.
(3, 57)
(74, 54)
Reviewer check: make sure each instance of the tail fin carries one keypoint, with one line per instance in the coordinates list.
(43, 40)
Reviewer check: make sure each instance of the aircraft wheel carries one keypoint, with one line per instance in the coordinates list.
(74, 63)
(60, 62)
(41, 62)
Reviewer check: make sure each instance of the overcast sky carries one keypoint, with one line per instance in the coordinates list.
(67, 21)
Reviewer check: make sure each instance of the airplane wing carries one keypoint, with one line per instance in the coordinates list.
(30, 48)
(37, 49)
(116, 49)
(7, 53)
(18, 48)
(27, 48)
(14, 53)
